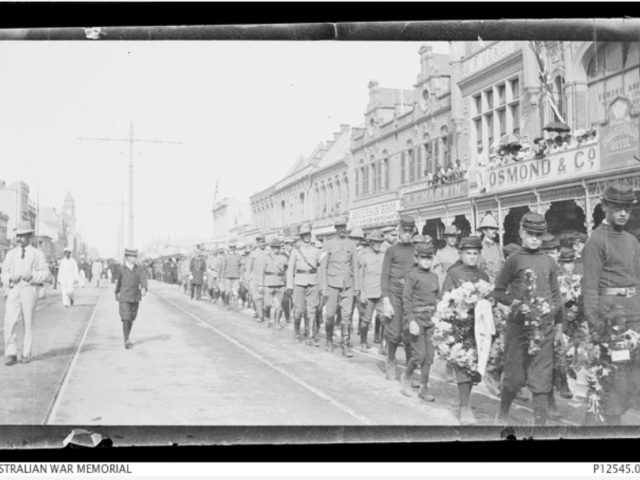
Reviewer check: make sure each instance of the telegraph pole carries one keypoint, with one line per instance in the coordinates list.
(120, 248)
(131, 140)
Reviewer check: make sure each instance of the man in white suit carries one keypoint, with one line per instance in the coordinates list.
(68, 277)
(24, 270)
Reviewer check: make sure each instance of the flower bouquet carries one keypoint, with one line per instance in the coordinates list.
(532, 308)
(454, 335)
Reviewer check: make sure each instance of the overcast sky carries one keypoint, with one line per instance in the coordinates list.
(244, 112)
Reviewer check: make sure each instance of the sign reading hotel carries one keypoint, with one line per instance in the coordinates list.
(436, 193)
(619, 136)
(571, 163)
(375, 214)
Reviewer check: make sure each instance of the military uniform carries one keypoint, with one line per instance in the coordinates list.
(231, 270)
(338, 277)
(492, 258)
(197, 267)
(271, 273)
(213, 269)
(131, 281)
(302, 279)
(255, 259)
(370, 271)
(612, 280)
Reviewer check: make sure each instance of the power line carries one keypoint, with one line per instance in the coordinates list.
(131, 140)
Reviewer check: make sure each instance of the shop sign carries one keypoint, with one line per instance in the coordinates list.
(598, 188)
(558, 166)
(487, 57)
(375, 214)
(436, 194)
(619, 136)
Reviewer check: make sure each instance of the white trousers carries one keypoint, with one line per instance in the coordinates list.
(20, 307)
(67, 295)
(82, 279)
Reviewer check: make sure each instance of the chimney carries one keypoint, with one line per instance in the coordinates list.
(330, 144)
(344, 127)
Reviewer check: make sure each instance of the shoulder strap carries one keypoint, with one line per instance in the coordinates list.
(304, 258)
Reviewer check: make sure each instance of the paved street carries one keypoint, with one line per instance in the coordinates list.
(195, 363)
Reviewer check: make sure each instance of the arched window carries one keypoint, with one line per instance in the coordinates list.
(302, 214)
(412, 163)
(612, 72)
(373, 167)
(558, 94)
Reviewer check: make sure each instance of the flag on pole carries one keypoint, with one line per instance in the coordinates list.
(215, 194)
(545, 79)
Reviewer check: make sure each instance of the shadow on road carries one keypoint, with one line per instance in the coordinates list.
(60, 352)
(156, 338)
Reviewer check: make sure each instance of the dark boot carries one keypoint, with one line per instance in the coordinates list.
(296, 329)
(383, 350)
(329, 333)
(540, 409)
(564, 390)
(346, 341)
(553, 408)
(423, 394)
(376, 331)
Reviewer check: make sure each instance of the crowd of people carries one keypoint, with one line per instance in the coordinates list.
(528, 314)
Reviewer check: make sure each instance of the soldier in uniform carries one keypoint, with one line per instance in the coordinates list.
(213, 267)
(255, 258)
(492, 258)
(221, 287)
(302, 284)
(272, 272)
(448, 255)
(339, 283)
(370, 270)
(399, 260)
(197, 267)
(287, 301)
(131, 286)
(231, 270)
(611, 280)
(390, 238)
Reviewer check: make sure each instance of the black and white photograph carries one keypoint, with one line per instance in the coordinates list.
(437, 233)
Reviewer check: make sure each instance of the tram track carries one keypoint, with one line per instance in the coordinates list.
(54, 405)
(324, 396)
(377, 357)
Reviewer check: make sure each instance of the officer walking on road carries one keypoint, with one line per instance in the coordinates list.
(271, 273)
(339, 283)
(255, 259)
(302, 283)
(370, 271)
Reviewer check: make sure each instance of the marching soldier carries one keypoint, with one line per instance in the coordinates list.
(255, 258)
(611, 280)
(213, 267)
(302, 284)
(197, 267)
(448, 255)
(231, 270)
(399, 260)
(271, 272)
(492, 258)
(370, 270)
(339, 283)
(287, 301)
(390, 238)
(222, 252)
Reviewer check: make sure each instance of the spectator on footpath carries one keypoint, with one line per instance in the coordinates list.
(96, 271)
(23, 272)
(131, 286)
(68, 277)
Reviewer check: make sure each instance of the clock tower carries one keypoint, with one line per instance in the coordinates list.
(69, 220)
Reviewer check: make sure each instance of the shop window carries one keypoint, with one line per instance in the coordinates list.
(612, 72)
(565, 217)
(511, 224)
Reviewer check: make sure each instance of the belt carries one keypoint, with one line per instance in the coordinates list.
(278, 274)
(303, 271)
(620, 292)
(428, 308)
(397, 281)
